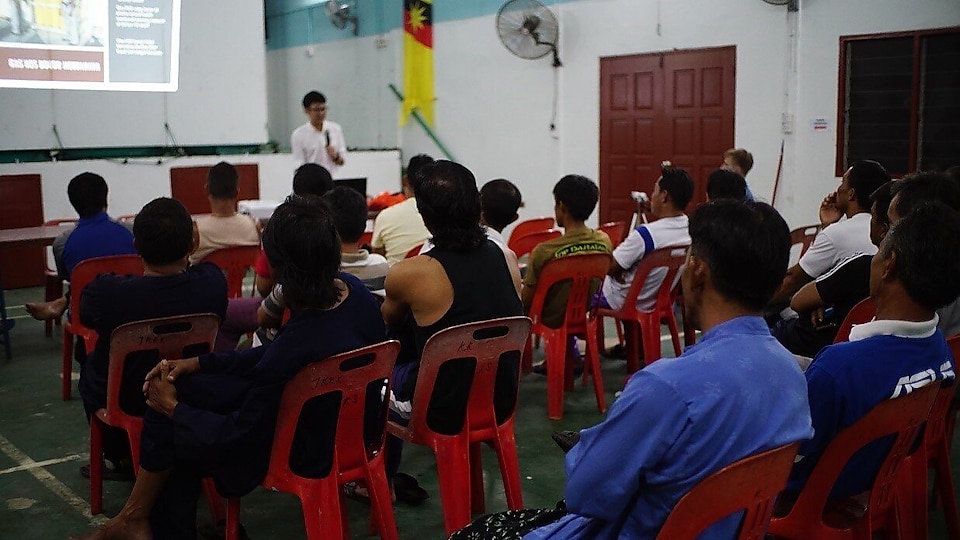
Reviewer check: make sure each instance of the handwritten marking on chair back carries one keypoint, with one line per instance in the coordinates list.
(326, 381)
(149, 338)
(465, 346)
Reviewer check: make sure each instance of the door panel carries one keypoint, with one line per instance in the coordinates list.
(676, 106)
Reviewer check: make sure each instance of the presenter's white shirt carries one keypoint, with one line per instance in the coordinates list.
(309, 145)
(843, 239)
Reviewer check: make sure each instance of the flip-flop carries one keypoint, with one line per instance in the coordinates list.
(350, 492)
(408, 490)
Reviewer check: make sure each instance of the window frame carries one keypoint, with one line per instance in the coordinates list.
(917, 36)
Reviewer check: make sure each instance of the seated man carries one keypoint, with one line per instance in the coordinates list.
(215, 415)
(823, 303)
(912, 275)
(839, 238)
(739, 161)
(400, 228)
(163, 234)
(309, 179)
(680, 420)
(463, 279)
(726, 184)
(575, 197)
(96, 235)
(671, 195)
(224, 227)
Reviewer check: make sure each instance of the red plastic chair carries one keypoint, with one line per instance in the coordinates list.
(616, 230)
(750, 484)
(812, 517)
(648, 336)
(321, 498)
(804, 236)
(414, 251)
(526, 243)
(530, 226)
(861, 313)
(235, 262)
(578, 271)
(82, 275)
(53, 284)
(169, 336)
(458, 456)
(366, 238)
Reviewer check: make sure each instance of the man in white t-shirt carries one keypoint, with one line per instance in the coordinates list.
(224, 227)
(318, 141)
(671, 195)
(839, 238)
(400, 228)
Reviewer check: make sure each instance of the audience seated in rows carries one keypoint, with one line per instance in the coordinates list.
(224, 227)
(575, 198)
(400, 228)
(912, 275)
(215, 415)
(679, 420)
(839, 238)
(463, 279)
(164, 238)
(95, 235)
(823, 304)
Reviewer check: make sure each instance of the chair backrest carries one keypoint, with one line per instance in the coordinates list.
(87, 271)
(672, 259)
(171, 337)
(526, 243)
(235, 262)
(616, 230)
(936, 429)
(750, 484)
(350, 374)
(56, 223)
(484, 341)
(414, 251)
(804, 236)
(530, 225)
(863, 312)
(577, 270)
(901, 417)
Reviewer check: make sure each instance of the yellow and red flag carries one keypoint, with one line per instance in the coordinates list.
(417, 59)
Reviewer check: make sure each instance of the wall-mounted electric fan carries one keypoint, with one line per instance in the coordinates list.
(529, 29)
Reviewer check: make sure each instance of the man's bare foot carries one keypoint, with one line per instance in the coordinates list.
(47, 311)
(120, 528)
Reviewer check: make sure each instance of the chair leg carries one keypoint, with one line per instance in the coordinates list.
(66, 369)
(674, 333)
(96, 466)
(323, 513)
(214, 500)
(526, 361)
(478, 502)
(506, 448)
(632, 334)
(453, 469)
(944, 484)
(381, 509)
(233, 520)
(592, 364)
(555, 347)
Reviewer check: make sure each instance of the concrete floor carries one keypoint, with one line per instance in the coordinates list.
(43, 442)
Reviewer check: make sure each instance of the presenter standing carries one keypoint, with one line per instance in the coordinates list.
(318, 141)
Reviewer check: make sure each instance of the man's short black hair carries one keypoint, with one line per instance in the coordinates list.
(303, 249)
(349, 210)
(881, 198)
(922, 187)
(928, 253)
(313, 97)
(312, 179)
(578, 193)
(678, 184)
(726, 184)
(449, 203)
(414, 168)
(499, 202)
(746, 245)
(222, 181)
(88, 194)
(865, 177)
(163, 232)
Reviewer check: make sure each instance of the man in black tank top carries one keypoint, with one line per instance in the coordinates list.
(463, 279)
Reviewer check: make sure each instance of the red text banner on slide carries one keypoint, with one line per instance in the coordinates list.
(51, 65)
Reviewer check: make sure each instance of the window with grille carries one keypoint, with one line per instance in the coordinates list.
(900, 100)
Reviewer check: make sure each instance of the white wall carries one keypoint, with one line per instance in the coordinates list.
(135, 182)
(494, 109)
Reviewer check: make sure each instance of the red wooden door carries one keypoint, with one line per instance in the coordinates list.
(21, 205)
(187, 185)
(672, 106)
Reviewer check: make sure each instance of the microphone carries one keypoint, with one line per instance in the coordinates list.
(327, 135)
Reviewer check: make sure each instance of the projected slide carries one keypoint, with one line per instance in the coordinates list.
(90, 44)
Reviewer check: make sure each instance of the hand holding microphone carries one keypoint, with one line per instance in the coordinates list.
(331, 150)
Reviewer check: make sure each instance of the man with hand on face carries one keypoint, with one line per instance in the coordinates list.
(318, 141)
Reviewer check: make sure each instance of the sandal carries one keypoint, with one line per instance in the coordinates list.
(408, 490)
(350, 491)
